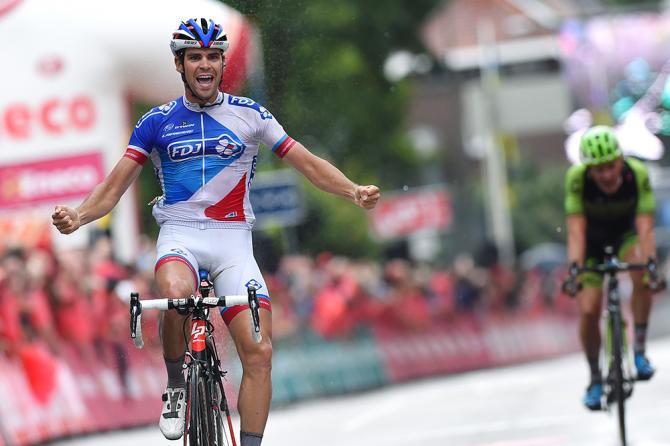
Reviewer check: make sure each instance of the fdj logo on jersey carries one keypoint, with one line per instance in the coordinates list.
(250, 103)
(223, 146)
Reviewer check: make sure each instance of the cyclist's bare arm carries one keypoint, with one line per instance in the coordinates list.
(100, 201)
(329, 178)
(576, 224)
(644, 223)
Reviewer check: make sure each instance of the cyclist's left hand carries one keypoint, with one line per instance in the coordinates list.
(657, 285)
(366, 196)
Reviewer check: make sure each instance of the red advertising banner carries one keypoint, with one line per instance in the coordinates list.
(403, 214)
(50, 180)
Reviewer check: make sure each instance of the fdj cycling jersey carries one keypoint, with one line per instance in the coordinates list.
(205, 157)
(609, 217)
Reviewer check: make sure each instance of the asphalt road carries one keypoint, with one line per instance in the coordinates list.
(530, 405)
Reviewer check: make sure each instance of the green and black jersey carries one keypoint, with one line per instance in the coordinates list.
(609, 218)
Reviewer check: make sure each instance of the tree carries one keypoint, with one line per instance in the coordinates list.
(324, 77)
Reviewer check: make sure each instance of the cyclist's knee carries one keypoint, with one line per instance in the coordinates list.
(176, 287)
(590, 308)
(257, 357)
(591, 312)
(174, 282)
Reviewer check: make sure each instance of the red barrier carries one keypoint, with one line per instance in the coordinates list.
(86, 395)
(472, 344)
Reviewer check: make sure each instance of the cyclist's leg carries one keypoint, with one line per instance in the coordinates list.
(256, 386)
(641, 302)
(175, 277)
(590, 310)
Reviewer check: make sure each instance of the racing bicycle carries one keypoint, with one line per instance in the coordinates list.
(206, 403)
(618, 375)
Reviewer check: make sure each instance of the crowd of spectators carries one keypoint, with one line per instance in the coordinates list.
(334, 296)
(79, 298)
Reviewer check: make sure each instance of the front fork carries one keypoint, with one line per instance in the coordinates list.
(613, 312)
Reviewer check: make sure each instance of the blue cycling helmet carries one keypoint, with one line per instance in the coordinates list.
(199, 33)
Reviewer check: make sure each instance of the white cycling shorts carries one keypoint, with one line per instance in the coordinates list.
(227, 254)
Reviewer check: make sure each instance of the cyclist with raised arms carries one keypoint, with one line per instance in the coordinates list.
(608, 201)
(204, 147)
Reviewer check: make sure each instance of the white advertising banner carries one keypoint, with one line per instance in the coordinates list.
(70, 71)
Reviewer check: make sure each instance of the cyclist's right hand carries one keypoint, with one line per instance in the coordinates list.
(65, 219)
(570, 285)
(652, 279)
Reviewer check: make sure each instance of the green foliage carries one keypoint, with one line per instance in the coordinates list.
(537, 205)
(336, 226)
(325, 83)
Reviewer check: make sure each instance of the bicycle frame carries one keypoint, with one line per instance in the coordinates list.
(618, 379)
(205, 360)
(205, 396)
(613, 310)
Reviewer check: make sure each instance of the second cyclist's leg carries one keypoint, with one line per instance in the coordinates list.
(256, 387)
(642, 302)
(590, 308)
(175, 279)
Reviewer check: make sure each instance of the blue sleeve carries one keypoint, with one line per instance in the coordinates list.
(143, 136)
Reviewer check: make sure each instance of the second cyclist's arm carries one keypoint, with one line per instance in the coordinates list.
(320, 172)
(105, 195)
(576, 225)
(574, 209)
(646, 206)
(644, 223)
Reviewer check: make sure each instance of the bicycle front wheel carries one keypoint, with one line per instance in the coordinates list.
(223, 426)
(200, 417)
(619, 378)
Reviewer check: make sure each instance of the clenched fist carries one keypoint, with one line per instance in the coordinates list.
(366, 196)
(65, 219)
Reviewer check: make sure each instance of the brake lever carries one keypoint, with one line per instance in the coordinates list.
(136, 320)
(254, 306)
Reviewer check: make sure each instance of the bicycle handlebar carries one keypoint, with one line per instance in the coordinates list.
(191, 303)
(612, 267)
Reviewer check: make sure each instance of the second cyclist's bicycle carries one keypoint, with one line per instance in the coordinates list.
(206, 404)
(618, 375)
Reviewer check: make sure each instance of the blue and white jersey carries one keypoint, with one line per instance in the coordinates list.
(205, 157)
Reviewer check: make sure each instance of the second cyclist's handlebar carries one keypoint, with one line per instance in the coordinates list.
(612, 267)
(188, 304)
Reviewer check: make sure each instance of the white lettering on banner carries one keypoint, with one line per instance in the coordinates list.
(54, 116)
(49, 180)
(73, 179)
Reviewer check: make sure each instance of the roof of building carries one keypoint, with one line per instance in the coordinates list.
(524, 30)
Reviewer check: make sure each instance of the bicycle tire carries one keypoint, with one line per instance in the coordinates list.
(207, 417)
(222, 429)
(617, 353)
(199, 424)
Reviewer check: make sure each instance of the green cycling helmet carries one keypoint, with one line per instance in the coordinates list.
(599, 145)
